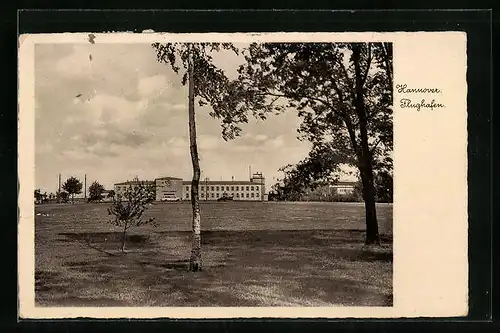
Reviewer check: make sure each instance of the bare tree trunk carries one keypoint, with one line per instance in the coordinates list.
(124, 235)
(195, 260)
(366, 159)
(372, 235)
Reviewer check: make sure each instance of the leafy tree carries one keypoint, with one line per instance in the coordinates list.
(73, 186)
(384, 186)
(128, 209)
(207, 83)
(111, 194)
(342, 92)
(62, 196)
(95, 191)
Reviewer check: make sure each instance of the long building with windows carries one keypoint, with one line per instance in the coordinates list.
(174, 189)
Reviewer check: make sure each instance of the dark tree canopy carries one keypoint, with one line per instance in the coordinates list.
(95, 191)
(341, 91)
(73, 186)
(318, 81)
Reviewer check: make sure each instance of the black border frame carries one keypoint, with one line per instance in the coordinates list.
(477, 24)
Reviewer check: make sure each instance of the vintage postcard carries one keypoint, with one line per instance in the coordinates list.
(248, 175)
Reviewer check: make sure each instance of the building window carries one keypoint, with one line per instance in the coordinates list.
(256, 188)
(212, 195)
(217, 195)
(251, 188)
(217, 188)
(232, 188)
(237, 195)
(247, 194)
(202, 195)
(187, 195)
(247, 188)
(187, 188)
(227, 188)
(252, 195)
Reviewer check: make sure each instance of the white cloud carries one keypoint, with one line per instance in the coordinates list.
(108, 109)
(179, 106)
(44, 148)
(261, 137)
(208, 142)
(153, 86)
(76, 64)
(277, 142)
(177, 142)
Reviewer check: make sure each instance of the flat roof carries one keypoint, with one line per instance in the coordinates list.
(168, 178)
(222, 182)
(134, 182)
(344, 184)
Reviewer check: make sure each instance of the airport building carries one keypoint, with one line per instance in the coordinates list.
(175, 189)
(121, 188)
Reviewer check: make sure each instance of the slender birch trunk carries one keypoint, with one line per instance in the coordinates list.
(195, 260)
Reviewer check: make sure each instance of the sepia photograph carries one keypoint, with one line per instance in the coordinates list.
(213, 174)
(243, 175)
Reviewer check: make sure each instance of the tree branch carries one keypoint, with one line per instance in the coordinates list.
(268, 93)
(375, 146)
(344, 71)
(368, 63)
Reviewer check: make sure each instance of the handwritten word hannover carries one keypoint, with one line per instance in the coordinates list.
(423, 104)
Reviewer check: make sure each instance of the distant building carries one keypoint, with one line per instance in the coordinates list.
(168, 188)
(343, 188)
(339, 189)
(105, 195)
(173, 189)
(121, 188)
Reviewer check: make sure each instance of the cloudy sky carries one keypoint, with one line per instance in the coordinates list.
(130, 119)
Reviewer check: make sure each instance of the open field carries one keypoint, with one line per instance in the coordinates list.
(255, 254)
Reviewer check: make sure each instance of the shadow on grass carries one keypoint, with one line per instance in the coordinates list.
(102, 237)
(247, 268)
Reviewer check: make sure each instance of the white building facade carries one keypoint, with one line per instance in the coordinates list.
(175, 189)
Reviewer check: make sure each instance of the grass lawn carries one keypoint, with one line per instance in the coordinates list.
(254, 254)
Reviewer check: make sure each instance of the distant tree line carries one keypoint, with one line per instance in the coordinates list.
(319, 192)
(71, 187)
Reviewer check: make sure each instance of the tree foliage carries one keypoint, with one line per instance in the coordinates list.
(211, 85)
(73, 186)
(341, 91)
(128, 208)
(62, 196)
(38, 196)
(95, 191)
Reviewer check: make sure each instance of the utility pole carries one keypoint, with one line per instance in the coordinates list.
(58, 195)
(85, 188)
